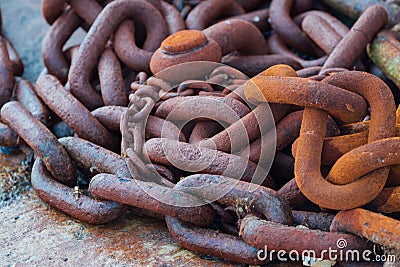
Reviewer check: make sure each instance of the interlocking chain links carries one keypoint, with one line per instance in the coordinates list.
(99, 34)
(135, 118)
(91, 159)
(146, 195)
(132, 126)
(245, 197)
(65, 198)
(307, 164)
(231, 192)
(357, 82)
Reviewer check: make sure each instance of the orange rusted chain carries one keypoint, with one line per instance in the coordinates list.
(365, 159)
(375, 227)
(309, 178)
(307, 172)
(303, 92)
(334, 147)
(379, 97)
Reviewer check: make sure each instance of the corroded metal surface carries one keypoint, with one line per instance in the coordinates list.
(32, 233)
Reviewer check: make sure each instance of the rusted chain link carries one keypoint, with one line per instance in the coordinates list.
(375, 227)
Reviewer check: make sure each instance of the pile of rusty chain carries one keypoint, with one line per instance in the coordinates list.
(93, 113)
